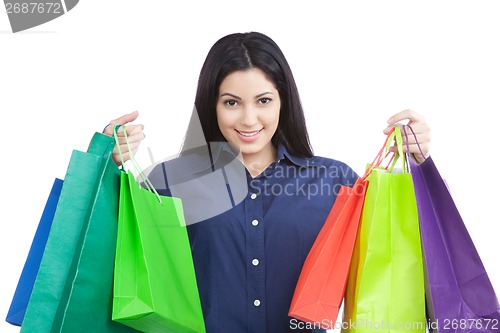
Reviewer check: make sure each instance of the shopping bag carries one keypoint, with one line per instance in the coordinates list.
(385, 288)
(155, 287)
(321, 285)
(460, 296)
(73, 288)
(28, 275)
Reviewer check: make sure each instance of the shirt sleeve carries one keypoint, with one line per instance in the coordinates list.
(349, 176)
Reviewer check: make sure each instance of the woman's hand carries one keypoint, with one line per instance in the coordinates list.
(134, 135)
(421, 129)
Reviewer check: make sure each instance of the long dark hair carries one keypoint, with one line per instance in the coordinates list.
(243, 51)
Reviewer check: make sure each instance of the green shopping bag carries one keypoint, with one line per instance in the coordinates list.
(155, 287)
(385, 290)
(73, 288)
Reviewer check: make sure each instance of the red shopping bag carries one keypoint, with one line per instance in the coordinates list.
(320, 289)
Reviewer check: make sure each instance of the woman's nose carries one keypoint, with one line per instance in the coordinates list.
(249, 117)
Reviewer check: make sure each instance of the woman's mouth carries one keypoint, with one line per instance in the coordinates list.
(249, 136)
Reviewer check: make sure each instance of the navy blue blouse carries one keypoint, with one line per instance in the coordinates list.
(248, 258)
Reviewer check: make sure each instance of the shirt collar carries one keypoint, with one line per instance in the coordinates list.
(198, 160)
(283, 154)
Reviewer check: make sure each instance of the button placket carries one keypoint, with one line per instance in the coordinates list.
(254, 230)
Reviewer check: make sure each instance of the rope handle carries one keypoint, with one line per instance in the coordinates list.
(384, 153)
(400, 154)
(135, 164)
(416, 141)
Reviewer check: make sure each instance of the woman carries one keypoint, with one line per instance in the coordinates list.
(248, 258)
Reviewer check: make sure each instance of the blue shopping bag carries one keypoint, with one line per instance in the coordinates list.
(27, 279)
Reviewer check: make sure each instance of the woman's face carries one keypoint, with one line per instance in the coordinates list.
(248, 109)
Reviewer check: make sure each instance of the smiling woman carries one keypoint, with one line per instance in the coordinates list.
(248, 258)
(248, 112)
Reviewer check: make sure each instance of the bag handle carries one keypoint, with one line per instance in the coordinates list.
(135, 164)
(416, 140)
(380, 157)
(400, 153)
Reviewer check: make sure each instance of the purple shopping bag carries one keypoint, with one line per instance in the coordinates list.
(460, 296)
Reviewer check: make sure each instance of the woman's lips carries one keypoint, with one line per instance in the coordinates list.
(249, 136)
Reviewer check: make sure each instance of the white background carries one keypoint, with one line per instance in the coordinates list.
(356, 64)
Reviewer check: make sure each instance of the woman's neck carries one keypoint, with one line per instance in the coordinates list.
(258, 162)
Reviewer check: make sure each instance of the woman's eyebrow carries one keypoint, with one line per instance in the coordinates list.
(264, 93)
(237, 97)
(231, 95)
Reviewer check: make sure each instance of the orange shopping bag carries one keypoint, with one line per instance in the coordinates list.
(322, 281)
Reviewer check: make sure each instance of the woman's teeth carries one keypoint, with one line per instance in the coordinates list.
(249, 134)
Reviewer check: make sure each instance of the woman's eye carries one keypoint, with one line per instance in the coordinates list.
(265, 100)
(230, 102)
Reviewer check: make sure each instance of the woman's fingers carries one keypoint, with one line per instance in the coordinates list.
(134, 133)
(421, 133)
(410, 115)
(123, 120)
(134, 136)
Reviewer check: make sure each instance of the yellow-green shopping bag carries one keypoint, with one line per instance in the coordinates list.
(155, 287)
(385, 290)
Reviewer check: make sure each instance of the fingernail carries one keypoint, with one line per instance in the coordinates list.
(389, 121)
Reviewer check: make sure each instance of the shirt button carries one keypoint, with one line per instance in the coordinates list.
(255, 262)
(253, 196)
(256, 302)
(255, 223)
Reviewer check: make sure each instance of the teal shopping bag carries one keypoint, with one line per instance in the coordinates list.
(73, 288)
